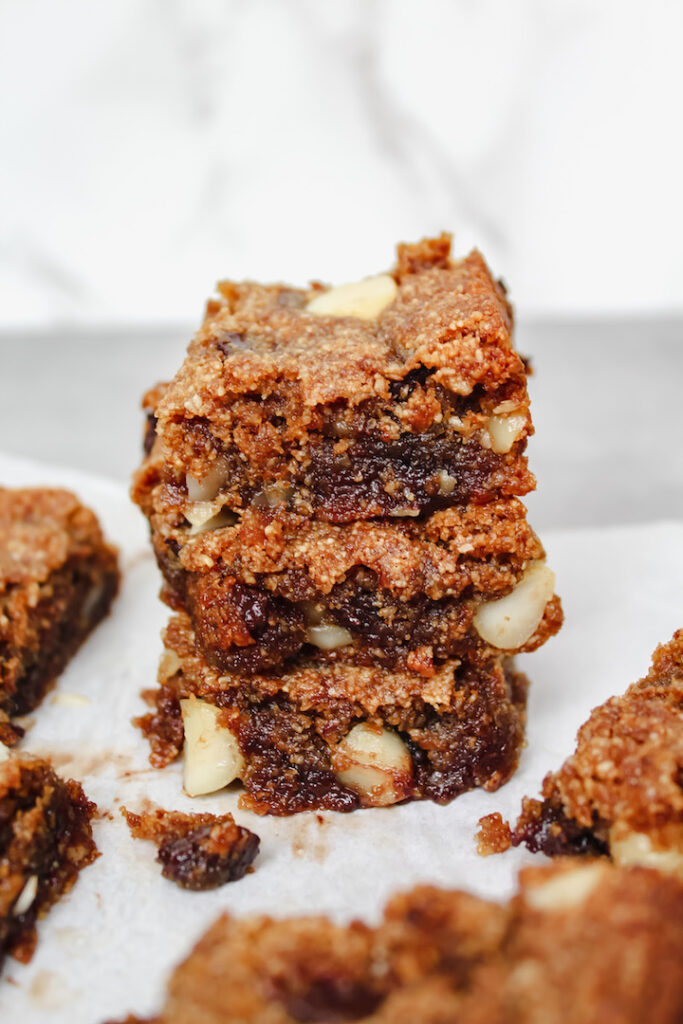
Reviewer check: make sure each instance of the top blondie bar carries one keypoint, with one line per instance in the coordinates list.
(394, 396)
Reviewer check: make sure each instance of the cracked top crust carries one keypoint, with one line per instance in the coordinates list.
(451, 318)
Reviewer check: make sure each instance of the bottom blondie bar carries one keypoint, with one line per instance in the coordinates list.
(332, 734)
(45, 840)
(579, 944)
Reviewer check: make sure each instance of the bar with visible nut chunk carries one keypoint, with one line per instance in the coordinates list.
(274, 585)
(58, 577)
(575, 945)
(395, 396)
(332, 484)
(333, 734)
(621, 791)
(45, 840)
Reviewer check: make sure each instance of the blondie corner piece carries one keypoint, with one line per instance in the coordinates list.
(58, 577)
(45, 840)
(578, 944)
(335, 735)
(621, 792)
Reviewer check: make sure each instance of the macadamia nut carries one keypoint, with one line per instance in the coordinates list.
(512, 620)
(363, 299)
(213, 758)
(375, 763)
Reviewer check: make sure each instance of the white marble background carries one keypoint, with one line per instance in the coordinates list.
(150, 146)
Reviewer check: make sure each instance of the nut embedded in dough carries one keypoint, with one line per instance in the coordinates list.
(567, 889)
(512, 620)
(504, 431)
(375, 763)
(213, 758)
(364, 299)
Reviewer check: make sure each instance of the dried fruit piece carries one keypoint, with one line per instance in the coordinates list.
(198, 851)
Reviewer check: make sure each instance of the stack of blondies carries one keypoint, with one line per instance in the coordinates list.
(332, 482)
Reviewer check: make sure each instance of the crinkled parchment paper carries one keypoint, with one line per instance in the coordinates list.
(108, 947)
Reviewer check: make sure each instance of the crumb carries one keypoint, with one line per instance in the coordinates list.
(494, 835)
(197, 851)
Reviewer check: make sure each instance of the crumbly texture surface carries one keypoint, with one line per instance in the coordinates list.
(196, 851)
(463, 726)
(406, 590)
(603, 948)
(345, 418)
(494, 835)
(625, 776)
(45, 840)
(58, 577)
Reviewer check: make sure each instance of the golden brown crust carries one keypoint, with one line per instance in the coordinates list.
(611, 955)
(626, 774)
(441, 318)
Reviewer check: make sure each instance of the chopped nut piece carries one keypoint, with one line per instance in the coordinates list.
(70, 700)
(203, 516)
(636, 848)
(26, 896)
(567, 889)
(446, 482)
(207, 488)
(212, 755)
(328, 637)
(509, 622)
(505, 430)
(375, 762)
(363, 299)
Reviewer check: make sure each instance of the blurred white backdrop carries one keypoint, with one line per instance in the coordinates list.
(151, 146)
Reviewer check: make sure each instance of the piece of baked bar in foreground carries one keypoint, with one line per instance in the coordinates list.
(579, 944)
(45, 840)
(621, 791)
(58, 577)
(336, 735)
(394, 396)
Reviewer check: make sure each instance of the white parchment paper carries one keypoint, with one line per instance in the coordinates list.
(108, 947)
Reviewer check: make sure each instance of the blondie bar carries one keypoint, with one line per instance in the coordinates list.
(395, 396)
(45, 840)
(621, 791)
(58, 577)
(576, 945)
(276, 585)
(334, 734)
